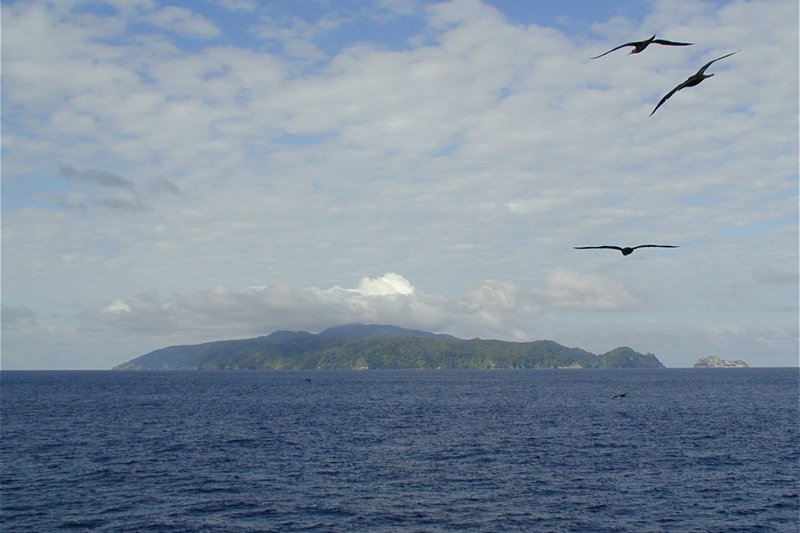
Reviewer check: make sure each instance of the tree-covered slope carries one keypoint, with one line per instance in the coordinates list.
(379, 346)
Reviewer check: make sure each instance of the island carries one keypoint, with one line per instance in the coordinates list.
(713, 361)
(365, 347)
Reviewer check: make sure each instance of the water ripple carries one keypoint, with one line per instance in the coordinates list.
(400, 451)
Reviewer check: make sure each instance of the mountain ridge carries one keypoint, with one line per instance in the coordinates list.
(361, 346)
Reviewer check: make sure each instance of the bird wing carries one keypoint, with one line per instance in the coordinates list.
(671, 43)
(668, 95)
(617, 48)
(682, 85)
(597, 247)
(704, 67)
(655, 246)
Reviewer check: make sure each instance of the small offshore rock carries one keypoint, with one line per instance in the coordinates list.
(713, 361)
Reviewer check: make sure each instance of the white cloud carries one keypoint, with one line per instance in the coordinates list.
(390, 298)
(136, 324)
(386, 285)
(489, 309)
(117, 307)
(185, 22)
(239, 5)
(297, 36)
(589, 292)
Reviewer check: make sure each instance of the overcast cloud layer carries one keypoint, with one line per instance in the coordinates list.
(180, 174)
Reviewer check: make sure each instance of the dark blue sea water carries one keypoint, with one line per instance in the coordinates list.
(548, 450)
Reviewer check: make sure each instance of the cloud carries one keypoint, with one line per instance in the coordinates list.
(97, 177)
(78, 201)
(185, 22)
(117, 307)
(239, 5)
(390, 298)
(492, 308)
(588, 292)
(774, 276)
(131, 197)
(297, 36)
(162, 185)
(18, 316)
(386, 285)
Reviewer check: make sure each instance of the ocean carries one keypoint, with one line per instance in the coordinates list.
(684, 450)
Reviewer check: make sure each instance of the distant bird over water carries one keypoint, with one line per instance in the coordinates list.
(620, 395)
(626, 250)
(639, 46)
(692, 80)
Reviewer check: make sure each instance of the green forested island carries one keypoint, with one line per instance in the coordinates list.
(378, 346)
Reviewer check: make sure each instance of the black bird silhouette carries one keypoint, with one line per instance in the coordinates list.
(692, 80)
(639, 46)
(620, 395)
(626, 250)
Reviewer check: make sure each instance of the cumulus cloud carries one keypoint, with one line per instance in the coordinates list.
(490, 309)
(386, 285)
(485, 310)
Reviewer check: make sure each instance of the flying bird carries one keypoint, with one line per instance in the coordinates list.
(620, 395)
(639, 46)
(692, 80)
(626, 250)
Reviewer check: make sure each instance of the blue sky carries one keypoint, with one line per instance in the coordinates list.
(179, 172)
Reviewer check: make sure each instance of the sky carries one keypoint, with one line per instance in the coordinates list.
(181, 172)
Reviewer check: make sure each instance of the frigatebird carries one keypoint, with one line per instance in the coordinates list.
(626, 250)
(639, 46)
(692, 80)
